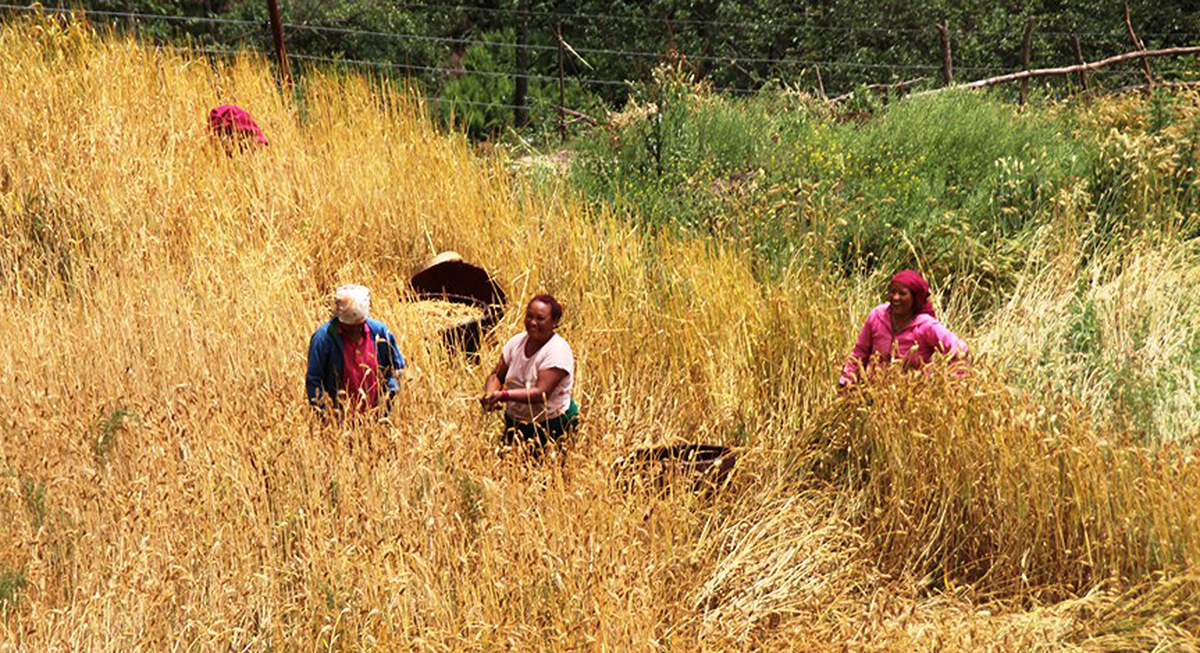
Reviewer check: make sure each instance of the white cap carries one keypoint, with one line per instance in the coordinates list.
(351, 303)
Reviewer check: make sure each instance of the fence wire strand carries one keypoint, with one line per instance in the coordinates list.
(829, 65)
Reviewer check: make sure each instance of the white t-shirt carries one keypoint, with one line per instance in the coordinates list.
(523, 372)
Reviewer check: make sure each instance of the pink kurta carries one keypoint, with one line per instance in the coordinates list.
(915, 344)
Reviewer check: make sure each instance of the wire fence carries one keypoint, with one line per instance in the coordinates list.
(224, 52)
(779, 67)
(845, 29)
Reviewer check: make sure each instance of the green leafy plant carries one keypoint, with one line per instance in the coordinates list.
(106, 433)
(12, 583)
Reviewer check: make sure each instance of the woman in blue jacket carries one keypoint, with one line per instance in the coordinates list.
(354, 364)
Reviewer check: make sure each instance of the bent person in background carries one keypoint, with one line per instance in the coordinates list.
(533, 380)
(234, 127)
(904, 327)
(354, 364)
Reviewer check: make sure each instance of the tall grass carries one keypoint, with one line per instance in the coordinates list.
(162, 484)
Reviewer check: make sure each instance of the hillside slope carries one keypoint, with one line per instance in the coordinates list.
(163, 485)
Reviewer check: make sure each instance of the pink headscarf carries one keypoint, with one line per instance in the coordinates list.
(919, 288)
(233, 120)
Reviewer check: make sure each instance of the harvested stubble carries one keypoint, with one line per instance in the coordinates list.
(158, 278)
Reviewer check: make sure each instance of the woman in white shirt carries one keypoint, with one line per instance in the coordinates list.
(533, 379)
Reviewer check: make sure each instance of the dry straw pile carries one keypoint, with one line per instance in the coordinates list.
(163, 486)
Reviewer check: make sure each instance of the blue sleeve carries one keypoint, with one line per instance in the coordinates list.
(314, 378)
(397, 369)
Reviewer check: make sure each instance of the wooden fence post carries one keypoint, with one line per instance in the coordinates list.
(285, 70)
(1026, 45)
(1079, 60)
(521, 81)
(562, 106)
(947, 60)
(1137, 43)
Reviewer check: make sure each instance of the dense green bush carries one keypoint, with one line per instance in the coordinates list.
(950, 181)
(479, 99)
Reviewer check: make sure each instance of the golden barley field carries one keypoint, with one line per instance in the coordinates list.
(164, 487)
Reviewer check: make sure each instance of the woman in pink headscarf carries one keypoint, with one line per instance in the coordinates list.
(904, 328)
(234, 127)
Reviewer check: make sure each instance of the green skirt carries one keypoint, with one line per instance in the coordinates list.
(538, 434)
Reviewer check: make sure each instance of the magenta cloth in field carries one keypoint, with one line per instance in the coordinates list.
(915, 344)
(919, 288)
(360, 365)
(234, 120)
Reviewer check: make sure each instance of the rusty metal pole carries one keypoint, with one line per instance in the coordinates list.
(285, 71)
